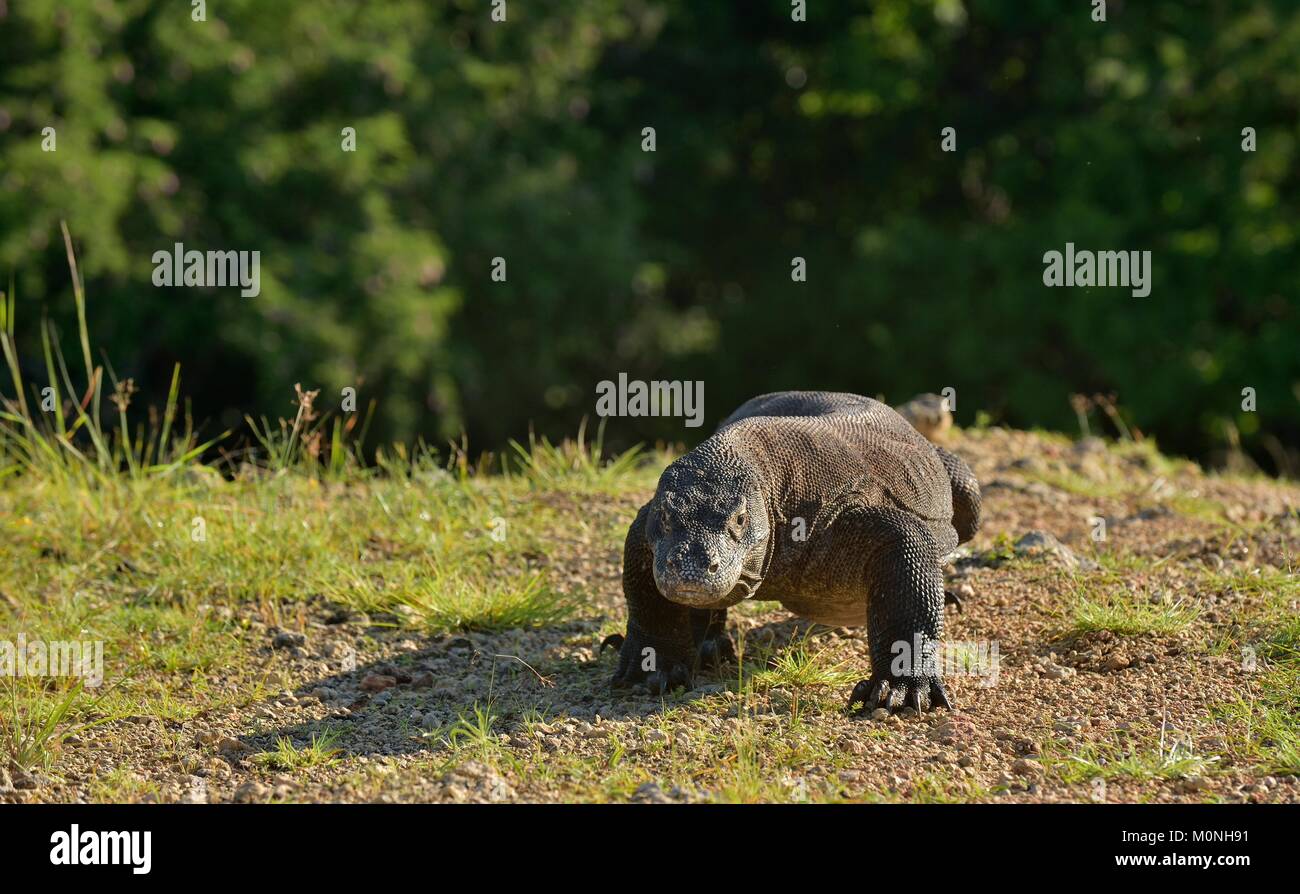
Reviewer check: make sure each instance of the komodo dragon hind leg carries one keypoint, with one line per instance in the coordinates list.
(905, 599)
(965, 495)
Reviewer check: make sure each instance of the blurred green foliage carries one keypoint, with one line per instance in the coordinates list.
(775, 139)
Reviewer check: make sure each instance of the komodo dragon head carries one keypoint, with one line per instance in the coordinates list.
(708, 526)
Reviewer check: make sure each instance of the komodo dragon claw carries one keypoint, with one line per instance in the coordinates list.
(918, 693)
(951, 598)
(614, 639)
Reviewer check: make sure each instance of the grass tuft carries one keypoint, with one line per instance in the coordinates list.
(1125, 615)
(319, 752)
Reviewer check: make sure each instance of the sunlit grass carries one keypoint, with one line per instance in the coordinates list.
(1126, 615)
(801, 665)
(1268, 726)
(319, 751)
(1168, 757)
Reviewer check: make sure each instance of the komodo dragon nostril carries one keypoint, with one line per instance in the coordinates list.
(713, 567)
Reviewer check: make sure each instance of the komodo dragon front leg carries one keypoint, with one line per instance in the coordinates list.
(660, 648)
(896, 558)
(709, 630)
(666, 641)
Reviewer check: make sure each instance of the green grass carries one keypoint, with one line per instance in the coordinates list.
(576, 464)
(119, 524)
(800, 666)
(944, 788)
(35, 721)
(441, 601)
(1001, 551)
(745, 778)
(1267, 727)
(1125, 614)
(318, 752)
(1165, 758)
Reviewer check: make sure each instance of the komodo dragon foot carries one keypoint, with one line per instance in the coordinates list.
(651, 662)
(715, 650)
(918, 693)
(713, 646)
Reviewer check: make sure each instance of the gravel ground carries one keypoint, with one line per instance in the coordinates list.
(1075, 714)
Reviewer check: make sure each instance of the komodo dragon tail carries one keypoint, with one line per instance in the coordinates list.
(965, 495)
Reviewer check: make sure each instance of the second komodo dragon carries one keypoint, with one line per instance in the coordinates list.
(829, 503)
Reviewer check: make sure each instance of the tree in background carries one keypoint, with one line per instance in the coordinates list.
(776, 139)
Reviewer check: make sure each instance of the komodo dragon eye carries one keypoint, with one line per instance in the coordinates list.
(737, 522)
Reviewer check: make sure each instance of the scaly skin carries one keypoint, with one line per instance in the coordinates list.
(832, 504)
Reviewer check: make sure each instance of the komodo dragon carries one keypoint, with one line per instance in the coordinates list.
(831, 504)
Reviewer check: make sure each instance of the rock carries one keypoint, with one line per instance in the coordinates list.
(324, 693)
(251, 792)
(649, 793)
(1058, 672)
(881, 714)
(1023, 766)
(1042, 546)
(423, 681)
(215, 768)
(286, 639)
(377, 682)
(655, 737)
(233, 746)
(1193, 784)
(476, 782)
(197, 792)
(1115, 663)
